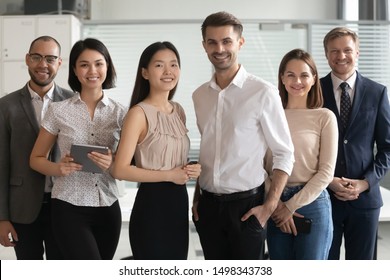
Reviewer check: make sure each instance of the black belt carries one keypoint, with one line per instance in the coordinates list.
(233, 196)
(46, 197)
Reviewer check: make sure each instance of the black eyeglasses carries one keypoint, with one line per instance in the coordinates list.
(37, 58)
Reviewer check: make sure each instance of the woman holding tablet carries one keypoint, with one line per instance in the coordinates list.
(85, 210)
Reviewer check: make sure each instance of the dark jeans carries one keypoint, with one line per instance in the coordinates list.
(305, 246)
(37, 239)
(223, 235)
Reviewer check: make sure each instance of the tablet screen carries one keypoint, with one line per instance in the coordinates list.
(79, 152)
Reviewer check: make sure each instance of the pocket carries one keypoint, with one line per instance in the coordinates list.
(253, 224)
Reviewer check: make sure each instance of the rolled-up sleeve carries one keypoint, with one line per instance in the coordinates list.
(277, 134)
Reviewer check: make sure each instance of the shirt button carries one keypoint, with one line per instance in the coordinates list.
(345, 141)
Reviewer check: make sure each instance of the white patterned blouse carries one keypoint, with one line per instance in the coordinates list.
(70, 121)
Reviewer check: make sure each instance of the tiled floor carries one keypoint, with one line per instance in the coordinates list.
(195, 251)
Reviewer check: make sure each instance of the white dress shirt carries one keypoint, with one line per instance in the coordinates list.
(237, 126)
(40, 107)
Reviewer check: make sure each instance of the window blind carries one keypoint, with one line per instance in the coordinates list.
(265, 45)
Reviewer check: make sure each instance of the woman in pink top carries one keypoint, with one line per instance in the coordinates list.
(154, 138)
(315, 135)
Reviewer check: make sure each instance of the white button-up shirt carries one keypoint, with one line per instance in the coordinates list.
(237, 126)
(40, 107)
(71, 122)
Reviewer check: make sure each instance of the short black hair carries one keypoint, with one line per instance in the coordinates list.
(92, 44)
(222, 19)
(45, 38)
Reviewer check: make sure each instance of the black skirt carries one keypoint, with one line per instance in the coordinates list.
(158, 226)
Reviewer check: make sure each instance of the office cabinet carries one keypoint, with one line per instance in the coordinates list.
(15, 76)
(65, 29)
(17, 33)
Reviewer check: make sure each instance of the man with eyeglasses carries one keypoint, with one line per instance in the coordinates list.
(24, 193)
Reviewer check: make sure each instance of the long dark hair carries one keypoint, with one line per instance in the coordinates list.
(142, 86)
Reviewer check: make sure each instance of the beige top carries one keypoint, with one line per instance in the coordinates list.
(315, 136)
(166, 143)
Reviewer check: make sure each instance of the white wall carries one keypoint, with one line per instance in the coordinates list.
(199, 9)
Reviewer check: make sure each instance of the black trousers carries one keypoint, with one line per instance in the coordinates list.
(86, 233)
(359, 227)
(37, 238)
(223, 235)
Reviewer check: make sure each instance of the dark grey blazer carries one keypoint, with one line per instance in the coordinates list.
(21, 188)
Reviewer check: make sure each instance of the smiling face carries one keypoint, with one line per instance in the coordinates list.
(41, 72)
(163, 71)
(222, 44)
(91, 69)
(342, 54)
(298, 79)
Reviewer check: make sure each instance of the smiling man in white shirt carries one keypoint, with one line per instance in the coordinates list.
(239, 117)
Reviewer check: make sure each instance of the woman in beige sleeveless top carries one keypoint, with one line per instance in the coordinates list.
(154, 138)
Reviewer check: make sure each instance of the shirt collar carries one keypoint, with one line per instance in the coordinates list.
(35, 95)
(336, 81)
(238, 79)
(104, 100)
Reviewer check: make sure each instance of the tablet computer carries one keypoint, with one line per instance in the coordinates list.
(79, 153)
